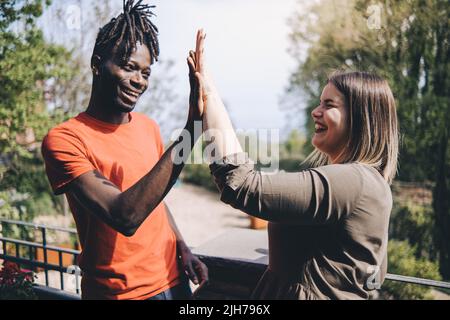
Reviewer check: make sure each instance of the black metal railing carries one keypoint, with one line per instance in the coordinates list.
(31, 262)
(12, 250)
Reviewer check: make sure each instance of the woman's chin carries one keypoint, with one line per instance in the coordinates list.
(315, 141)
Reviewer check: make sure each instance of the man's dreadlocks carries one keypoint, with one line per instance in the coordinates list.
(123, 32)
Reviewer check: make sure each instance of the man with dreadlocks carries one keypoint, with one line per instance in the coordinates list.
(110, 164)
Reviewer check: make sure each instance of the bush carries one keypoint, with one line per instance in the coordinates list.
(291, 164)
(414, 223)
(402, 260)
(199, 174)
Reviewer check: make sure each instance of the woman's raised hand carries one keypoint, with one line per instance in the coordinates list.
(217, 126)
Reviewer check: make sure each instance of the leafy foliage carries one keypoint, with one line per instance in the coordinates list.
(415, 224)
(402, 260)
(30, 68)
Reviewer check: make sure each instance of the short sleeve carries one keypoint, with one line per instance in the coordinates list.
(158, 138)
(65, 158)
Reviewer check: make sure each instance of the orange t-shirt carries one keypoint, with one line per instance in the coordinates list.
(114, 266)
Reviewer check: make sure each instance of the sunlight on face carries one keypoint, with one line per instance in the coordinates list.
(330, 118)
(124, 83)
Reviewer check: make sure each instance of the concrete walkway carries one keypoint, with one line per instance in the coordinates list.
(200, 215)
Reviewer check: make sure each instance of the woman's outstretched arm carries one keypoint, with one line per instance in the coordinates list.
(218, 132)
(312, 196)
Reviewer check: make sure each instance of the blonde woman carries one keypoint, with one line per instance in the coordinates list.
(328, 225)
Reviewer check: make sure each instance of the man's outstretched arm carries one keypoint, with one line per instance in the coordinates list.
(125, 211)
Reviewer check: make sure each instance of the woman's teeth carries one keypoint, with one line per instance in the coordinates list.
(319, 127)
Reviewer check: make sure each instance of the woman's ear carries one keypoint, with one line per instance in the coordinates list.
(95, 65)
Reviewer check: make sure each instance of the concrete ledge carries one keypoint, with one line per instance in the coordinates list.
(236, 261)
(48, 293)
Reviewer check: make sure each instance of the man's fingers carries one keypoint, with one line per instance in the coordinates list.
(201, 270)
(191, 65)
(192, 80)
(203, 273)
(193, 56)
(191, 273)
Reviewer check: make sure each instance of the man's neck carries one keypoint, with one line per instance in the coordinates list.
(100, 111)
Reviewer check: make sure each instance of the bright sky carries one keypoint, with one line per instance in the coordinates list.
(246, 51)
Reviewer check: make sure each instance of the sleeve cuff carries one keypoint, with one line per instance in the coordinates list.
(232, 170)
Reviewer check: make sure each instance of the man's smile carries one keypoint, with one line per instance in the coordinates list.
(130, 95)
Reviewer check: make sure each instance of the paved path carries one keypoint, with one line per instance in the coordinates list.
(200, 215)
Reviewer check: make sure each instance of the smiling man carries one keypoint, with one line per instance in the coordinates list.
(110, 163)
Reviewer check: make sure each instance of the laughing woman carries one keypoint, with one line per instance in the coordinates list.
(328, 225)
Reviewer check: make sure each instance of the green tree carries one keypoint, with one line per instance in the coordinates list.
(410, 48)
(414, 223)
(402, 260)
(294, 145)
(30, 67)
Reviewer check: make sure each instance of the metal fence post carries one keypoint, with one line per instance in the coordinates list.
(44, 243)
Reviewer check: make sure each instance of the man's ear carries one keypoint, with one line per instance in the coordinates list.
(96, 61)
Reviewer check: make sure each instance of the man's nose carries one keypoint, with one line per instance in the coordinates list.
(138, 81)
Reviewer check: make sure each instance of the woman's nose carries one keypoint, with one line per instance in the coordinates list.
(316, 112)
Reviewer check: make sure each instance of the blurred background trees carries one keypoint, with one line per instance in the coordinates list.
(30, 67)
(407, 42)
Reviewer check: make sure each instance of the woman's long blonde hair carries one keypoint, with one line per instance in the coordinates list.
(374, 136)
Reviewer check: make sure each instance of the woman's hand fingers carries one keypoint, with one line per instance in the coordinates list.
(199, 50)
(198, 42)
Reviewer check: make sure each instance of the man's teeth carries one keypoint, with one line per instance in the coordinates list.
(134, 94)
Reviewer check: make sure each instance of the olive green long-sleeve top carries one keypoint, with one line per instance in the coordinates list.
(328, 227)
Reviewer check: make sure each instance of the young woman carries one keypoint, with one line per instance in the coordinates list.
(328, 225)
